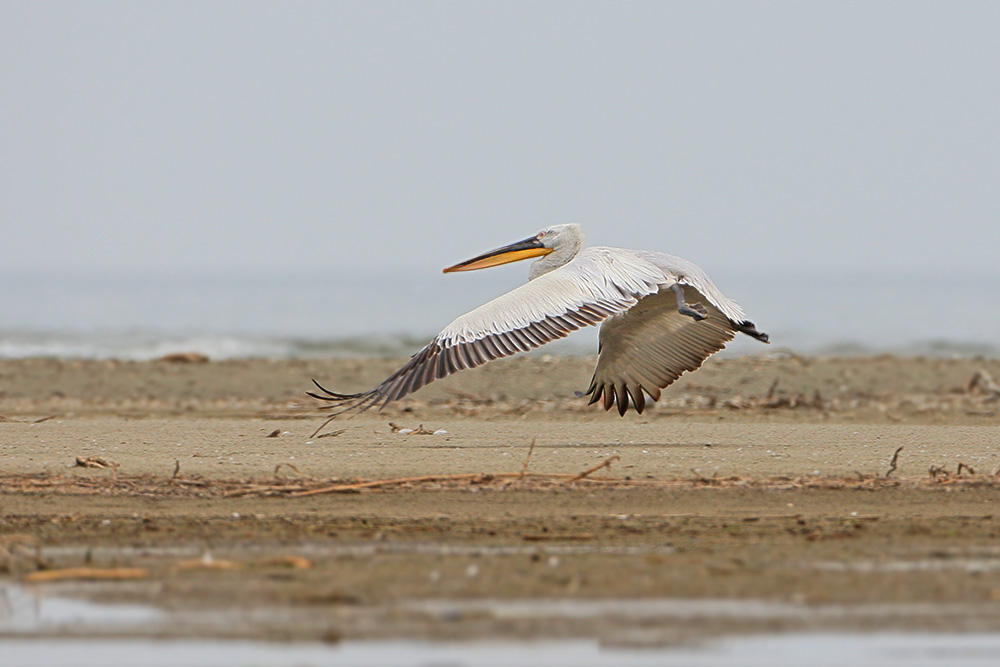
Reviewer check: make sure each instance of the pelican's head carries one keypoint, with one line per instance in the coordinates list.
(561, 239)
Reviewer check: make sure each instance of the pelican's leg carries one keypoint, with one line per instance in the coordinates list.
(694, 310)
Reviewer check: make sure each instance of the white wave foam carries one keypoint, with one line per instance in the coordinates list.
(144, 346)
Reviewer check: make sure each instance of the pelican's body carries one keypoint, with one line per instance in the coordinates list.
(660, 316)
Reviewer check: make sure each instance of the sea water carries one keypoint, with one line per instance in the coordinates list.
(327, 313)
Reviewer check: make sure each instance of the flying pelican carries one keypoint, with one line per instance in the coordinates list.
(660, 316)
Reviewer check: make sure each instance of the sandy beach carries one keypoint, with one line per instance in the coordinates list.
(832, 493)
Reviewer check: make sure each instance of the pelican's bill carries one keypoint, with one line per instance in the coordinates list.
(514, 252)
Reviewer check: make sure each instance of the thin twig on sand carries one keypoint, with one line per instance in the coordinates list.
(603, 464)
(892, 463)
(527, 459)
(289, 465)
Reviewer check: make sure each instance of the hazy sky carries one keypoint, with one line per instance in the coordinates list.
(308, 136)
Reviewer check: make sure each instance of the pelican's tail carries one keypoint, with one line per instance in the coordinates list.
(750, 329)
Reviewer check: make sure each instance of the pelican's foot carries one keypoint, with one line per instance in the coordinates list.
(694, 310)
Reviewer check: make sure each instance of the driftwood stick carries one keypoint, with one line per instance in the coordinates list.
(339, 488)
(89, 573)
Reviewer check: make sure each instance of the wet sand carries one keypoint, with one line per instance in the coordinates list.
(760, 494)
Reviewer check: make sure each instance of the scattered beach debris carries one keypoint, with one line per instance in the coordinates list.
(332, 434)
(18, 551)
(152, 486)
(940, 472)
(553, 537)
(274, 434)
(184, 358)
(86, 574)
(176, 478)
(983, 383)
(290, 562)
(527, 459)
(701, 478)
(356, 487)
(470, 396)
(39, 420)
(285, 464)
(96, 462)
(603, 464)
(207, 562)
(420, 430)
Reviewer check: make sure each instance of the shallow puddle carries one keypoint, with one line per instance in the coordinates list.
(366, 549)
(970, 565)
(54, 609)
(677, 608)
(35, 629)
(27, 611)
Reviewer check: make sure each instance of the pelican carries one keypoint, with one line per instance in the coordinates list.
(660, 316)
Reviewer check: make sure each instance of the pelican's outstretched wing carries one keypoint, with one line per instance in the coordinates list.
(651, 345)
(648, 347)
(595, 285)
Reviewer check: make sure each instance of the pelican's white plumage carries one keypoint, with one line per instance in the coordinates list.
(660, 316)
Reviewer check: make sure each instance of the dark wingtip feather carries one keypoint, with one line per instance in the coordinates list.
(332, 395)
(638, 399)
(593, 391)
(609, 397)
(344, 402)
(615, 399)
